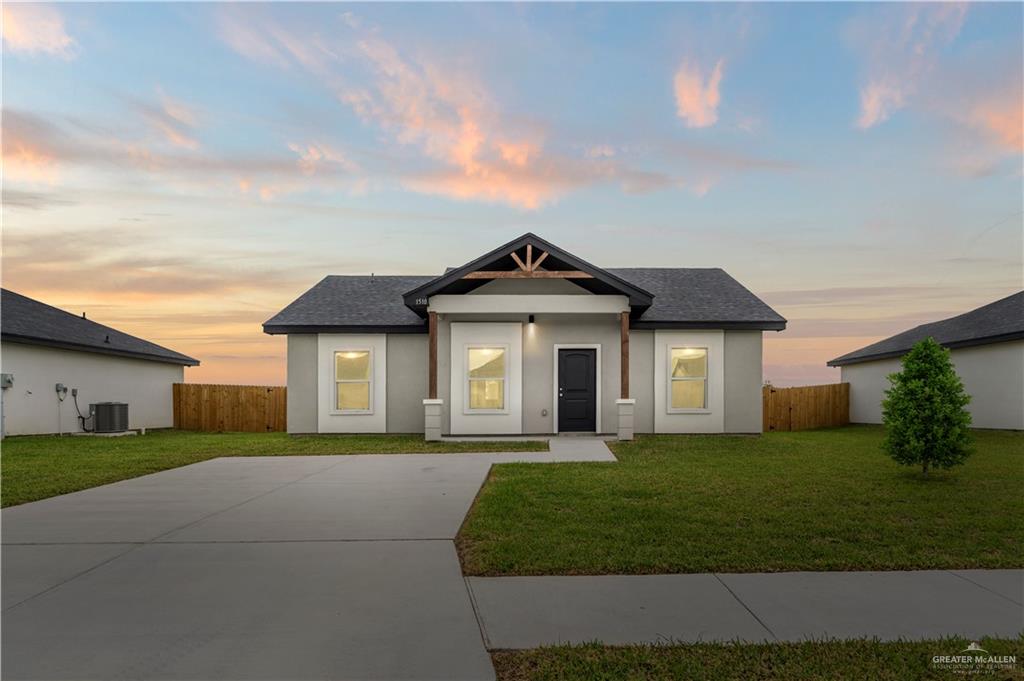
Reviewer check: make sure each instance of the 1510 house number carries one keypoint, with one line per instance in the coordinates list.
(421, 301)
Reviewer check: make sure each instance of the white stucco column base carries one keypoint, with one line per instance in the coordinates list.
(625, 409)
(432, 419)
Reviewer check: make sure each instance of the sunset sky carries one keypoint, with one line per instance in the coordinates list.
(182, 172)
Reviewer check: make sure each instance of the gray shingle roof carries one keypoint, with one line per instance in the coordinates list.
(683, 298)
(372, 303)
(24, 320)
(1002, 320)
(694, 296)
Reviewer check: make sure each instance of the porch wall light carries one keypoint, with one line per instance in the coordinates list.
(530, 319)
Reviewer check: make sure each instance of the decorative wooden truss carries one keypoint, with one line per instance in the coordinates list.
(528, 270)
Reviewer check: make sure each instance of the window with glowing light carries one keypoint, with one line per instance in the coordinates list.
(353, 374)
(486, 372)
(688, 379)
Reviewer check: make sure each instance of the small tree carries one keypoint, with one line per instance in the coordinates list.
(926, 423)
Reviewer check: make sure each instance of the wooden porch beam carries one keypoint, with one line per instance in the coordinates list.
(624, 359)
(432, 359)
(529, 257)
(536, 274)
(538, 261)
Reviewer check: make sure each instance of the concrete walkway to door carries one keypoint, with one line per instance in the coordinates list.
(305, 567)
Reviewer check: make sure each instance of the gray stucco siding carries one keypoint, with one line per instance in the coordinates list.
(539, 365)
(743, 381)
(302, 383)
(991, 374)
(31, 406)
(407, 358)
(641, 379)
(407, 382)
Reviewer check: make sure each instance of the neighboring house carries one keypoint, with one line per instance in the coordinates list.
(987, 349)
(527, 339)
(41, 346)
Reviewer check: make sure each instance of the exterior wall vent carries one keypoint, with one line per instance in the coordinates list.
(109, 417)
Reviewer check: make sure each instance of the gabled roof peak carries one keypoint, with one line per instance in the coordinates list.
(506, 261)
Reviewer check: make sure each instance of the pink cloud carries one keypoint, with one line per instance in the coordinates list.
(878, 100)
(173, 119)
(999, 115)
(441, 108)
(316, 157)
(34, 29)
(697, 97)
(901, 46)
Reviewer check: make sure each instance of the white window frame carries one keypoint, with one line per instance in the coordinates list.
(466, 409)
(668, 383)
(334, 377)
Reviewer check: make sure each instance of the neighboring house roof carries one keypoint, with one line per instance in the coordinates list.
(666, 298)
(24, 320)
(996, 322)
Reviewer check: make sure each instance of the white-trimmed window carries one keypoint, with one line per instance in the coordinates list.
(353, 381)
(486, 378)
(688, 379)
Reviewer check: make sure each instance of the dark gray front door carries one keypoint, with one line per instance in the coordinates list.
(577, 390)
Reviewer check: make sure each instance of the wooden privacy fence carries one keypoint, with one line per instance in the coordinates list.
(220, 408)
(811, 406)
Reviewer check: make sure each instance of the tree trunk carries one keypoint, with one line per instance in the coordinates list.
(924, 467)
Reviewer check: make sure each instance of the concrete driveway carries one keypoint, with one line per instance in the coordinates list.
(316, 567)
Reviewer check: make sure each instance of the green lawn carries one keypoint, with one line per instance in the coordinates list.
(36, 467)
(813, 500)
(820, 660)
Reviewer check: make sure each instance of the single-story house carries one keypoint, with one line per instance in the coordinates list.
(526, 339)
(986, 346)
(43, 347)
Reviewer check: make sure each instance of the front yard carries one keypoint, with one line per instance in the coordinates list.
(813, 500)
(37, 467)
(812, 660)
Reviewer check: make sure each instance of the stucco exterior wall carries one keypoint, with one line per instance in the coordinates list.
(641, 379)
(331, 420)
(993, 375)
(743, 381)
(31, 405)
(407, 382)
(508, 420)
(539, 365)
(302, 383)
(708, 420)
(735, 386)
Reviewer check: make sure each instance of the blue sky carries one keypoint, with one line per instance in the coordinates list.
(182, 171)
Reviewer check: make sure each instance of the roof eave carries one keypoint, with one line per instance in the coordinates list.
(277, 329)
(183, 360)
(973, 342)
(764, 325)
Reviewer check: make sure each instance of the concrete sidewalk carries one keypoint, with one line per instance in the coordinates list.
(526, 612)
